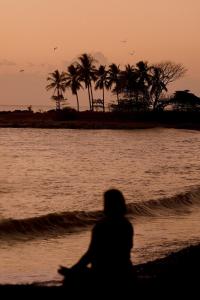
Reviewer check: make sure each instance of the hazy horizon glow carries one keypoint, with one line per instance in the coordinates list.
(155, 31)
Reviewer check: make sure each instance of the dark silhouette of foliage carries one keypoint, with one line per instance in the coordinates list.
(185, 101)
(87, 72)
(157, 86)
(102, 83)
(72, 80)
(143, 80)
(128, 79)
(57, 83)
(114, 79)
(170, 71)
(162, 75)
(137, 87)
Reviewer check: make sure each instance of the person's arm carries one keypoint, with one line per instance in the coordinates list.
(84, 260)
(132, 242)
(131, 236)
(87, 257)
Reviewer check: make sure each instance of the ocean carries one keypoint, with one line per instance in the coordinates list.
(51, 193)
(35, 108)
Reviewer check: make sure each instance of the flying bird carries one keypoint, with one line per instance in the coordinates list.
(55, 48)
(124, 41)
(21, 70)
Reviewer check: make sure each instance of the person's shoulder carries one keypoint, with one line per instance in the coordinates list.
(100, 223)
(128, 223)
(126, 220)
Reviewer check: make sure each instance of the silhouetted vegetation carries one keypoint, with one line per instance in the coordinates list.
(185, 101)
(71, 118)
(72, 80)
(139, 99)
(137, 87)
(58, 84)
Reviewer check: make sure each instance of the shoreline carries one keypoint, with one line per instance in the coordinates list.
(96, 125)
(98, 120)
(171, 272)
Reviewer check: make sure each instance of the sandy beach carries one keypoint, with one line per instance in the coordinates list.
(177, 273)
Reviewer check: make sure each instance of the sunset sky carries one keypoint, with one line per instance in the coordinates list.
(155, 30)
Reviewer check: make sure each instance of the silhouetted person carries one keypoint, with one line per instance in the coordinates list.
(111, 243)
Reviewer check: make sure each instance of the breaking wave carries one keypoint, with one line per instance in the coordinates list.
(70, 222)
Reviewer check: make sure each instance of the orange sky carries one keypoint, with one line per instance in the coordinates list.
(156, 30)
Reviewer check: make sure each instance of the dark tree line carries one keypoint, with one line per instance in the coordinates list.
(136, 87)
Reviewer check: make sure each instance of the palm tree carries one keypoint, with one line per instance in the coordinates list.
(157, 85)
(102, 81)
(129, 81)
(144, 79)
(73, 81)
(114, 79)
(87, 70)
(57, 83)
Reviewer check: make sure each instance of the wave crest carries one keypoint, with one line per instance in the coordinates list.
(69, 222)
(177, 204)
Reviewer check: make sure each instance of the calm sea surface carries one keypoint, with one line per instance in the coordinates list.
(51, 186)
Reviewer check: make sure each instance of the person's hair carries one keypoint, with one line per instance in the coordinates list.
(114, 203)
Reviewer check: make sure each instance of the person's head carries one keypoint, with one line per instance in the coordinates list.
(114, 203)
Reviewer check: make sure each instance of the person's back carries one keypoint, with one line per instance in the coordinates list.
(112, 240)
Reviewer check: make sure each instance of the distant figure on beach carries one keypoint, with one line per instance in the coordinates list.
(111, 243)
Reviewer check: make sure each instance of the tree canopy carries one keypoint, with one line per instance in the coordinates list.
(137, 87)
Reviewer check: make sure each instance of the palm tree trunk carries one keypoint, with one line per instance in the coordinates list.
(147, 97)
(58, 100)
(118, 98)
(89, 97)
(103, 100)
(57, 105)
(77, 101)
(92, 98)
(156, 101)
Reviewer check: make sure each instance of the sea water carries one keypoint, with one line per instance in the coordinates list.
(51, 193)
